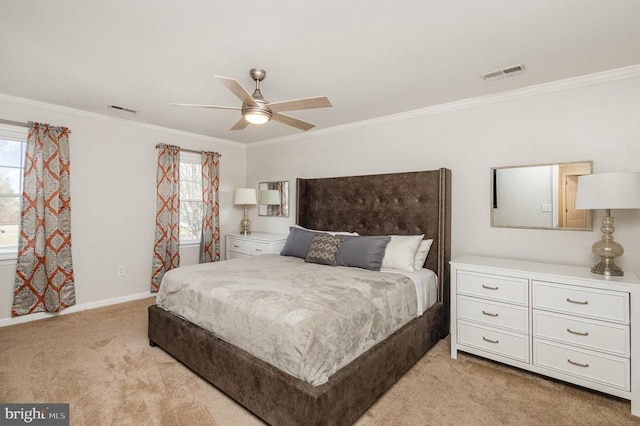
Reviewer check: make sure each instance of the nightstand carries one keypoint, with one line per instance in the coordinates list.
(256, 243)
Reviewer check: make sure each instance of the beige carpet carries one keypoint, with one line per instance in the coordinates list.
(100, 362)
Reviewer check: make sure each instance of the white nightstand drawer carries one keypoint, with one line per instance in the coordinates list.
(497, 314)
(588, 302)
(253, 244)
(237, 246)
(496, 287)
(503, 343)
(605, 369)
(590, 334)
(254, 249)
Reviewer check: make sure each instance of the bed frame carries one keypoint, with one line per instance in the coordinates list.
(397, 203)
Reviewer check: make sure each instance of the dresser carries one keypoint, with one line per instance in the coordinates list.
(556, 320)
(240, 245)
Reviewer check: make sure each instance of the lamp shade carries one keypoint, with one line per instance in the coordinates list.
(245, 196)
(609, 191)
(270, 197)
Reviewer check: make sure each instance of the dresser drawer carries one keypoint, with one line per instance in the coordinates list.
(503, 343)
(254, 248)
(237, 246)
(588, 365)
(589, 334)
(511, 317)
(496, 287)
(587, 302)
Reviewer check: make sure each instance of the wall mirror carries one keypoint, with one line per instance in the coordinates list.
(273, 199)
(539, 196)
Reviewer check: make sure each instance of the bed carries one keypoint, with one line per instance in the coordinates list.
(397, 203)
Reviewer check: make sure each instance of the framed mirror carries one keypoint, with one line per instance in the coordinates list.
(540, 196)
(273, 199)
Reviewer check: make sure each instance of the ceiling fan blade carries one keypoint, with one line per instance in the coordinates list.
(240, 125)
(237, 89)
(297, 104)
(207, 106)
(290, 121)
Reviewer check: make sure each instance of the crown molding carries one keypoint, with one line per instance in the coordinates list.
(525, 92)
(28, 103)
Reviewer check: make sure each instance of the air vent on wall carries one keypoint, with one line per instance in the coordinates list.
(504, 74)
(119, 108)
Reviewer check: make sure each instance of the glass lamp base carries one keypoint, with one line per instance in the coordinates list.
(607, 250)
(245, 223)
(245, 226)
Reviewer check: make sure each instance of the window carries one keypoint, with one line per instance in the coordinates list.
(190, 198)
(12, 147)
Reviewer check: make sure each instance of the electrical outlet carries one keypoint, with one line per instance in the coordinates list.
(120, 271)
(546, 207)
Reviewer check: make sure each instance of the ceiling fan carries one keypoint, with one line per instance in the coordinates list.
(256, 110)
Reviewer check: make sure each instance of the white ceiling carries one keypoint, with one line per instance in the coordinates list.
(371, 58)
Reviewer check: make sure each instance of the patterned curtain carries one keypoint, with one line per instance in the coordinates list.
(166, 254)
(44, 271)
(210, 239)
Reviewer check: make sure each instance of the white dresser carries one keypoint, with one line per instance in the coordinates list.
(240, 245)
(560, 321)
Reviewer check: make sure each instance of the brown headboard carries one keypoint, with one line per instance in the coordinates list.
(397, 203)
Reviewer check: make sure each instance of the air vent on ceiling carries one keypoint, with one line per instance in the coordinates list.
(119, 108)
(504, 74)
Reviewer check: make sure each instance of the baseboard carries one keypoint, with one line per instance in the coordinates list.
(76, 308)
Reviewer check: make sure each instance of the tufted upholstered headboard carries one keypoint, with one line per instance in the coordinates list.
(397, 203)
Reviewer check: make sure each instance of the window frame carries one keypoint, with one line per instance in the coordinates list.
(190, 158)
(14, 133)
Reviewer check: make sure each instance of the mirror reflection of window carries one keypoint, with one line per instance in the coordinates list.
(273, 199)
(538, 196)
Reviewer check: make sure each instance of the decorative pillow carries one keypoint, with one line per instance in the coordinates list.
(298, 242)
(362, 252)
(401, 252)
(421, 254)
(328, 232)
(323, 250)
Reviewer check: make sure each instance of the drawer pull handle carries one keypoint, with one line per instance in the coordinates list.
(489, 340)
(578, 302)
(578, 364)
(258, 249)
(489, 288)
(577, 332)
(236, 246)
(489, 314)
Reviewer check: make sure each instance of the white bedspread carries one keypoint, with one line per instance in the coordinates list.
(308, 320)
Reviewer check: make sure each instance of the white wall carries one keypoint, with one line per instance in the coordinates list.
(113, 166)
(584, 119)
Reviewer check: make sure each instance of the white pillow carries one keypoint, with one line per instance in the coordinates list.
(355, 234)
(401, 252)
(421, 254)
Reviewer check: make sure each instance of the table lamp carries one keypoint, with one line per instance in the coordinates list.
(608, 191)
(246, 197)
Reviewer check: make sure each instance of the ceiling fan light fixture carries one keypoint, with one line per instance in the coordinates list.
(256, 116)
(256, 110)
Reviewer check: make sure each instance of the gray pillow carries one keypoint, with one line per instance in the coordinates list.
(362, 252)
(323, 249)
(298, 242)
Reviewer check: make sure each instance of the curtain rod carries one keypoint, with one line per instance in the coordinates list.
(18, 123)
(160, 145)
